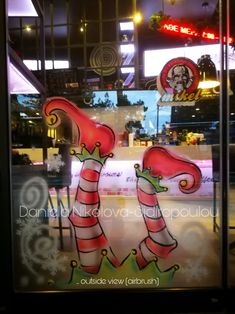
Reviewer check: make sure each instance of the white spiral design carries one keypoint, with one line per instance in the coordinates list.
(194, 239)
(44, 245)
(104, 56)
(39, 251)
(35, 249)
(34, 193)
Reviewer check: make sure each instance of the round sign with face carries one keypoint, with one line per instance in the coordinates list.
(179, 74)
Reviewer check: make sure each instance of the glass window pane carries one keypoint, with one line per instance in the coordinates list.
(76, 35)
(125, 8)
(59, 10)
(15, 40)
(92, 32)
(108, 9)
(60, 36)
(75, 11)
(48, 12)
(14, 22)
(109, 31)
(48, 36)
(61, 54)
(92, 10)
(115, 186)
(77, 59)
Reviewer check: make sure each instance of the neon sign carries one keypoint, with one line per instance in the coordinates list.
(173, 27)
(176, 28)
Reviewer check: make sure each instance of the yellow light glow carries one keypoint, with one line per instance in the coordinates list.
(51, 132)
(137, 18)
(28, 29)
(208, 84)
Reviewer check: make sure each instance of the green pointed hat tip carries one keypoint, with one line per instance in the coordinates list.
(134, 252)
(176, 267)
(130, 265)
(85, 154)
(73, 264)
(104, 252)
(146, 174)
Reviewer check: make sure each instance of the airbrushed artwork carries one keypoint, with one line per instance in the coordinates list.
(117, 152)
(95, 260)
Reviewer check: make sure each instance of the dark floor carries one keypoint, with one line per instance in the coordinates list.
(162, 302)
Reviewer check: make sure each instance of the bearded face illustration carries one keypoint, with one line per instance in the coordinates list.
(180, 78)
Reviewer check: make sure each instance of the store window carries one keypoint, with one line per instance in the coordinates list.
(186, 216)
(116, 185)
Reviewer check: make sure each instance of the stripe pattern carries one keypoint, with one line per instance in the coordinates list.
(159, 242)
(90, 238)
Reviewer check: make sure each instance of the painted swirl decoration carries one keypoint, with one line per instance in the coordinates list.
(105, 57)
(33, 193)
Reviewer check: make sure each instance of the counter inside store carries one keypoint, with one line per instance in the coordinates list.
(118, 174)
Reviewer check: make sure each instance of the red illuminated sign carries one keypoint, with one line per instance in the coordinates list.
(173, 27)
(176, 28)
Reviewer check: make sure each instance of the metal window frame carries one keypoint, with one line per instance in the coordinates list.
(162, 297)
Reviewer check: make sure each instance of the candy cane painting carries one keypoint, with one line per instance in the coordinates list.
(97, 141)
(158, 162)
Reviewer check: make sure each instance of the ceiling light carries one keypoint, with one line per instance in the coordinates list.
(49, 64)
(130, 48)
(126, 26)
(128, 70)
(137, 18)
(28, 28)
(208, 73)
